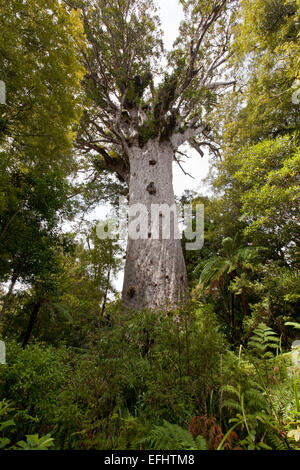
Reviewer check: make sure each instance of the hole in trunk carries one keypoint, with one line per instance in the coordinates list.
(152, 162)
(131, 292)
(151, 188)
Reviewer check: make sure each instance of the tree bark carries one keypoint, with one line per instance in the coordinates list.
(155, 272)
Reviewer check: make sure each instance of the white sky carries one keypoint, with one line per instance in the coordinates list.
(171, 14)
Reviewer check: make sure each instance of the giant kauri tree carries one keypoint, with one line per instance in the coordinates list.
(143, 104)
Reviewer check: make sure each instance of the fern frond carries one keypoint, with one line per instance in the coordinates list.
(201, 443)
(173, 437)
(263, 339)
(231, 404)
(230, 389)
(275, 441)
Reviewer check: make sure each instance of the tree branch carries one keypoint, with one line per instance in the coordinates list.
(215, 85)
(179, 164)
(117, 165)
(202, 29)
(180, 137)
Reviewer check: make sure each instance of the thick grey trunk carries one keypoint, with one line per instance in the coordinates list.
(155, 272)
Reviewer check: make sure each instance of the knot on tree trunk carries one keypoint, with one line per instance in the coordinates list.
(151, 188)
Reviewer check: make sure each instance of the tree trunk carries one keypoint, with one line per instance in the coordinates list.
(155, 272)
(32, 321)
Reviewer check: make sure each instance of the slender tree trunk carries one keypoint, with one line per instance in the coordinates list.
(155, 272)
(244, 303)
(8, 224)
(242, 295)
(32, 321)
(232, 321)
(8, 295)
(106, 292)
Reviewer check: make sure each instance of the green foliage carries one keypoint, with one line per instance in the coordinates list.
(267, 174)
(40, 65)
(234, 258)
(4, 410)
(111, 394)
(229, 271)
(256, 185)
(263, 396)
(267, 38)
(33, 442)
(31, 379)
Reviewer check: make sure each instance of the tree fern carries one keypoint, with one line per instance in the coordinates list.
(231, 258)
